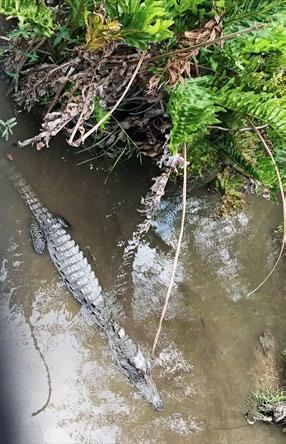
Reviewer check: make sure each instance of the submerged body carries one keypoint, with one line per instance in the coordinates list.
(50, 232)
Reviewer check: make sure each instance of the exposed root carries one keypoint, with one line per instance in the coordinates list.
(151, 204)
(184, 198)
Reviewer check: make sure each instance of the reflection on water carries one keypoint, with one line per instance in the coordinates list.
(53, 358)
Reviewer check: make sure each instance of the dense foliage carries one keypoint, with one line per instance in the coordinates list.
(216, 67)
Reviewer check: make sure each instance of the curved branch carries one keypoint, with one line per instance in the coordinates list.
(283, 207)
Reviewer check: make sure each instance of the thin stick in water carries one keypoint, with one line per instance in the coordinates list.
(175, 264)
(283, 207)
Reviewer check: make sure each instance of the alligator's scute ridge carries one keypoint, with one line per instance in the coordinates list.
(48, 230)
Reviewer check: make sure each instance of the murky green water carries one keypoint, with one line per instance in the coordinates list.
(50, 354)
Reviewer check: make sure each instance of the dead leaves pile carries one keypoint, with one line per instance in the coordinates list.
(179, 65)
(70, 89)
(88, 76)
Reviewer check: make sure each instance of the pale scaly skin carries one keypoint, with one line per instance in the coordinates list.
(48, 232)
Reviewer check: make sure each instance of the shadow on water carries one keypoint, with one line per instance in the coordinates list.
(56, 365)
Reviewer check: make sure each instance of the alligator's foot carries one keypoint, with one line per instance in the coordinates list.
(62, 220)
(38, 237)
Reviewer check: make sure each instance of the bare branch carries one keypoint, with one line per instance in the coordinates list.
(283, 206)
(184, 198)
(209, 42)
(247, 128)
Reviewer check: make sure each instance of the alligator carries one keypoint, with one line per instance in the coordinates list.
(50, 233)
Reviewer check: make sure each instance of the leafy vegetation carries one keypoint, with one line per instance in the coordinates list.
(142, 22)
(7, 127)
(271, 397)
(191, 108)
(34, 18)
(212, 71)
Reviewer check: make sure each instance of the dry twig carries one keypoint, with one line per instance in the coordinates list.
(61, 87)
(184, 198)
(208, 42)
(263, 141)
(247, 128)
(80, 119)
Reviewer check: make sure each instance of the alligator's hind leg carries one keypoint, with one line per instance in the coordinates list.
(38, 237)
(62, 220)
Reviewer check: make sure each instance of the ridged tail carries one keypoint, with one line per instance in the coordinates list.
(24, 189)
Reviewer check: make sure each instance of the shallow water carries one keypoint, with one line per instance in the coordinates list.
(51, 355)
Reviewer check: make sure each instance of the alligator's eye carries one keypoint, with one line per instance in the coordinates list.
(140, 372)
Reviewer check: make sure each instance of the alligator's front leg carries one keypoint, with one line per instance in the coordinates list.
(38, 237)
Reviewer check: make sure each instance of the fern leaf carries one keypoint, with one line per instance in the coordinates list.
(191, 108)
(252, 10)
(78, 9)
(227, 145)
(32, 15)
(264, 107)
(142, 22)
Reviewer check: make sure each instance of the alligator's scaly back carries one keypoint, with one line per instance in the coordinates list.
(81, 281)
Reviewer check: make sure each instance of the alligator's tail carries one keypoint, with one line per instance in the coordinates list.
(23, 188)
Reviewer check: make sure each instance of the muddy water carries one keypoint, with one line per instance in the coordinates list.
(59, 384)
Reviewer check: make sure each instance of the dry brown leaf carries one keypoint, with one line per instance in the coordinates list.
(179, 65)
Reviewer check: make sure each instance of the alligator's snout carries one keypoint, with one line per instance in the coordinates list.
(150, 393)
(137, 369)
(158, 404)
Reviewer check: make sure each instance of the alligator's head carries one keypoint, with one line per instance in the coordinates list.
(137, 369)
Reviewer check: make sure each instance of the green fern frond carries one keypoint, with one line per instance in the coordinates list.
(188, 14)
(228, 146)
(143, 22)
(36, 17)
(191, 108)
(78, 10)
(271, 39)
(181, 7)
(252, 10)
(264, 107)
